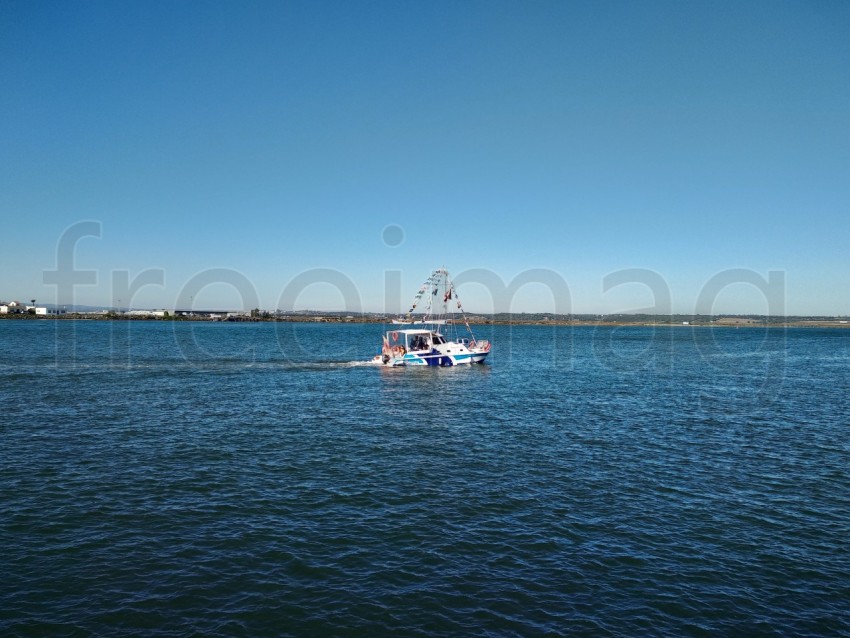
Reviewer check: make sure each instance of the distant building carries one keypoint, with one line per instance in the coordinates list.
(12, 307)
(736, 321)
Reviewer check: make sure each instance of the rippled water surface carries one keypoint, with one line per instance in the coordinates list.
(256, 479)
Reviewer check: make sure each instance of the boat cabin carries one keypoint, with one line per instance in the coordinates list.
(415, 340)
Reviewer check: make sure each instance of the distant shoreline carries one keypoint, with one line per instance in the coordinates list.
(726, 322)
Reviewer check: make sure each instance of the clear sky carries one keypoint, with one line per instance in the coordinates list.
(273, 139)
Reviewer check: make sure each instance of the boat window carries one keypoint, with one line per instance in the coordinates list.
(419, 342)
(438, 339)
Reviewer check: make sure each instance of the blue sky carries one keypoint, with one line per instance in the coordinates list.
(274, 139)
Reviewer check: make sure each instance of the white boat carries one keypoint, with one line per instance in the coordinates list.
(428, 346)
(405, 322)
(413, 347)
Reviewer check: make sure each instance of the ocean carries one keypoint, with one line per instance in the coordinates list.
(257, 479)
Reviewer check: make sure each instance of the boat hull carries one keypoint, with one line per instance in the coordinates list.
(435, 360)
(443, 360)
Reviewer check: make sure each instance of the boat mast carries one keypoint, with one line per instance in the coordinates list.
(432, 288)
(452, 293)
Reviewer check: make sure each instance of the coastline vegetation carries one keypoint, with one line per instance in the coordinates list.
(504, 318)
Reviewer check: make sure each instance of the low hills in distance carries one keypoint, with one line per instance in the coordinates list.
(501, 318)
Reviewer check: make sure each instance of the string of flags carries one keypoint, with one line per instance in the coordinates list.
(431, 283)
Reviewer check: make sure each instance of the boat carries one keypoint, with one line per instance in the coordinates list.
(404, 322)
(427, 344)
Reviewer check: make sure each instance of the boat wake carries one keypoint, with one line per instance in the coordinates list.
(324, 365)
(357, 364)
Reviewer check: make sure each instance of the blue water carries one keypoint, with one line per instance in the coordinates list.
(162, 479)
